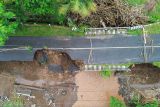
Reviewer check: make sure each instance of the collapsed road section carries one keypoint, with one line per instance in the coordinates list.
(47, 81)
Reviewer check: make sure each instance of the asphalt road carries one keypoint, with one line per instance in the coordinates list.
(118, 49)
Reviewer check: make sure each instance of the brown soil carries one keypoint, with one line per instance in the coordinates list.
(37, 73)
(35, 69)
(6, 84)
(56, 57)
(142, 81)
(145, 74)
(93, 90)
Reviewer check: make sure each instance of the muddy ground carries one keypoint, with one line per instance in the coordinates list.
(54, 81)
(48, 70)
(143, 82)
(145, 74)
(52, 77)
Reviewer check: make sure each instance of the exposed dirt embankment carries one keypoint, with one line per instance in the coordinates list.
(145, 74)
(64, 89)
(44, 60)
(142, 81)
(51, 57)
(49, 68)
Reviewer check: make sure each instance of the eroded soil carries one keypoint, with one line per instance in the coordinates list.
(143, 82)
(66, 89)
(145, 74)
(37, 74)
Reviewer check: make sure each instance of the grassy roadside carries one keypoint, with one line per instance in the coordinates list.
(136, 2)
(153, 29)
(154, 16)
(45, 30)
(156, 64)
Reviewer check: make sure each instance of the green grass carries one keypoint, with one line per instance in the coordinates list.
(115, 102)
(14, 102)
(106, 73)
(156, 64)
(45, 30)
(135, 32)
(123, 64)
(137, 103)
(154, 15)
(126, 64)
(153, 29)
(136, 2)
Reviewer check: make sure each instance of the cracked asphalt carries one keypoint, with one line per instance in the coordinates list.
(110, 50)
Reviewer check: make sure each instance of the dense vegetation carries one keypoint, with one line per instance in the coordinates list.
(46, 30)
(74, 13)
(88, 12)
(115, 102)
(14, 102)
(151, 7)
(49, 11)
(5, 25)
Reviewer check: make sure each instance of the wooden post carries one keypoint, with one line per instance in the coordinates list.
(144, 44)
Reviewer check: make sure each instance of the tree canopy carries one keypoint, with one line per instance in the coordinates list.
(52, 11)
(5, 25)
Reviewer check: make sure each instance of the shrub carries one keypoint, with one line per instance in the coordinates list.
(106, 73)
(115, 102)
(14, 102)
(6, 26)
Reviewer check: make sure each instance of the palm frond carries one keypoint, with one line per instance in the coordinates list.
(75, 6)
(64, 9)
(84, 11)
